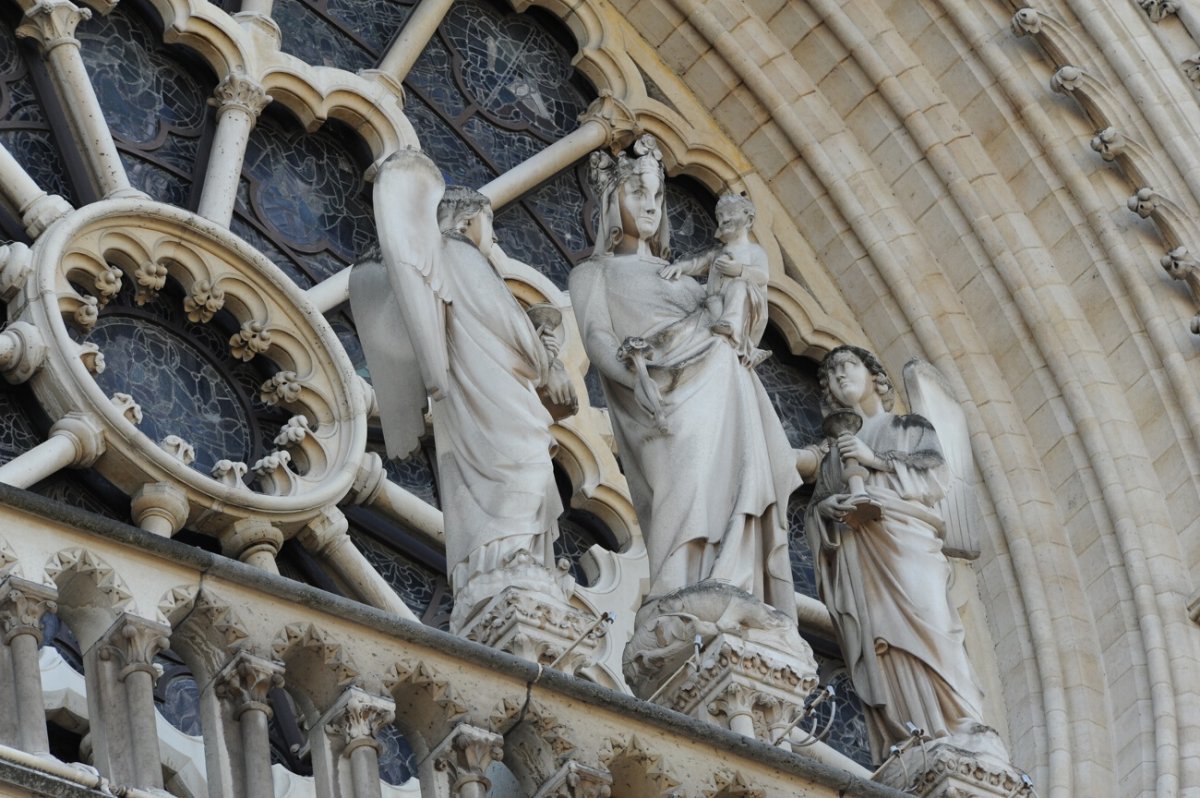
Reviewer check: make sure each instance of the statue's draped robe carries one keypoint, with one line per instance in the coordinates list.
(887, 589)
(495, 478)
(711, 496)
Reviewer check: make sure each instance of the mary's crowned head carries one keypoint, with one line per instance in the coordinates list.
(630, 190)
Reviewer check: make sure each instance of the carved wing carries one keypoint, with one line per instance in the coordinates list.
(930, 396)
(399, 303)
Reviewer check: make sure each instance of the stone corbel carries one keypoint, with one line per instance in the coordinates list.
(150, 278)
(254, 542)
(283, 387)
(239, 100)
(464, 756)
(160, 508)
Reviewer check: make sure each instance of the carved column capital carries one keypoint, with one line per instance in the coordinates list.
(325, 533)
(51, 23)
(246, 680)
(237, 91)
(22, 605)
(466, 753)
(736, 699)
(358, 716)
(575, 780)
(619, 120)
(132, 642)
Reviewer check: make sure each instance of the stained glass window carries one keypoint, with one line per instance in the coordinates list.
(154, 100)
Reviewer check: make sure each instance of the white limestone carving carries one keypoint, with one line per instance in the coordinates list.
(629, 750)
(93, 581)
(1158, 10)
(87, 313)
(159, 508)
(128, 407)
(16, 264)
(465, 755)
(283, 387)
(22, 352)
(229, 472)
(900, 633)
(435, 285)
(620, 297)
(971, 763)
(252, 339)
(203, 301)
(150, 277)
(1109, 143)
(178, 448)
(72, 272)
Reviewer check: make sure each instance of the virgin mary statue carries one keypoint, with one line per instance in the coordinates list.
(709, 466)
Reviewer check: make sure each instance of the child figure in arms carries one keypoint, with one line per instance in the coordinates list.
(737, 279)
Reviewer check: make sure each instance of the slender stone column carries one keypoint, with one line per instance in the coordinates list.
(75, 440)
(326, 539)
(239, 100)
(119, 671)
(51, 23)
(352, 723)
(37, 208)
(373, 488)
(416, 33)
(464, 756)
(244, 684)
(22, 605)
(605, 122)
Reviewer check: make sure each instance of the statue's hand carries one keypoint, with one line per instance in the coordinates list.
(671, 271)
(559, 388)
(851, 446)
(648, 395)
(835, 507)
(727, 266)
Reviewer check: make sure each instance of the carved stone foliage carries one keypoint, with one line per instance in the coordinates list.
(22, 605)
(102, 249)
(237, 91)
(537, 628)
(466, 754)
(358, 716)
(132, 644)
(247, 681)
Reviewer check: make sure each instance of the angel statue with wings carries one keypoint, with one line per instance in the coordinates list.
(883, 574)
(437, 322)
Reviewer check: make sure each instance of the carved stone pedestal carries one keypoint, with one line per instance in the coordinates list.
(753, 671)
(971, 764)
(537, 626)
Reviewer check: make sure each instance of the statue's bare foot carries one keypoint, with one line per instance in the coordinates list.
(722, 327)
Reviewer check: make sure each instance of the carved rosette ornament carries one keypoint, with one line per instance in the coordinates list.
(58, 287)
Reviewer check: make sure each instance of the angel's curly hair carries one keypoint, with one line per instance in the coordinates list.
(459, 205)
(883, 383)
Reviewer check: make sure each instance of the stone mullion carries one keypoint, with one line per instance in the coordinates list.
(605, 122)
(239, 101)
(51, 23)
(36, 208)
(417, 32)
(22, 606)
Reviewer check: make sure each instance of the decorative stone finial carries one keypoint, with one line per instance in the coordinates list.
(253, 339)
(178, 448)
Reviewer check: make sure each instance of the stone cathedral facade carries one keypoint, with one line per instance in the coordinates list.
(213, 582)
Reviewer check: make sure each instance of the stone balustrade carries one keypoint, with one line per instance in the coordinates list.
(470, 714)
